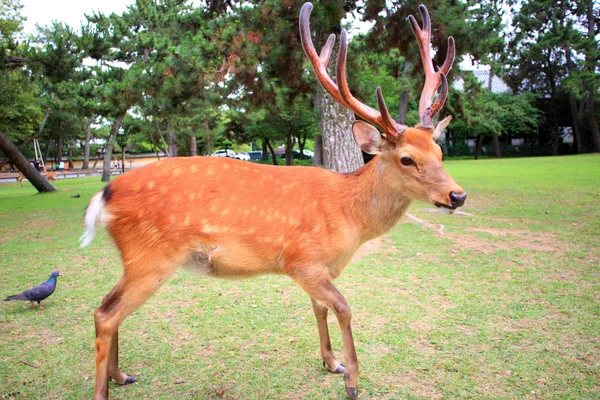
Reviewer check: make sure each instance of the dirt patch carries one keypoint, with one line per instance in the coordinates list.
(417, 385)
(420, 326)
(507, 239)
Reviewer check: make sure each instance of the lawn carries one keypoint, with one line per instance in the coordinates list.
(505, 304)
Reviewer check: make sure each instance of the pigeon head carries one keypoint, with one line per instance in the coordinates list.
(54, 274)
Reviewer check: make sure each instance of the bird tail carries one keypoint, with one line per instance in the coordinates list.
(92, 216)
(16, 297)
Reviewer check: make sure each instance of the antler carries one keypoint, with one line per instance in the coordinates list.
(342, 93)
(433, 79)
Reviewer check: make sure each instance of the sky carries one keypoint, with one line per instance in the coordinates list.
(71, 12)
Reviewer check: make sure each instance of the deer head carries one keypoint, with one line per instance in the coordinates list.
(410, 158)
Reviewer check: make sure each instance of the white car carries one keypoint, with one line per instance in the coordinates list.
(243, 156)
(224, 153)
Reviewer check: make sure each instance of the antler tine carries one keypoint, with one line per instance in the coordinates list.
(427, 118)
(385, 114)
(326, 50)
(380, 118)
(340, 91)
(433, 79)
(449, 57)
(319, 62)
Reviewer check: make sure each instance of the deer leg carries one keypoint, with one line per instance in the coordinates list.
(323, 291)
(113, 363)
(326, 353)
(127, 296)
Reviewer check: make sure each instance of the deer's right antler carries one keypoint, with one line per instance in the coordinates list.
(340, 90)
(433, 79)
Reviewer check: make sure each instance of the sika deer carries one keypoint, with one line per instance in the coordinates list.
(195, 212)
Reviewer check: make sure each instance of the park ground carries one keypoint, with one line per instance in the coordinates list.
(504, 304)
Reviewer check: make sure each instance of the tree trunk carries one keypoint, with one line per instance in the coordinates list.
(317, 160)
(71, 140)
(289, 146)
(265, 156)
(591, 58)
(208, 137)
(172, 140)
(86, 145)
(59, 143)
(497, 151)
(478, 143)
(301, 139)
(16, 158)
(591, 108)
(272, 152)
(193, 146)
(341, 153)
(109, 146)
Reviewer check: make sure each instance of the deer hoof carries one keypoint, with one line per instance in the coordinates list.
(130, 379)
(352, 393)
(339, 370)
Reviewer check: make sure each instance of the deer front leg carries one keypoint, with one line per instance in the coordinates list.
(321, 290)
(326, 352)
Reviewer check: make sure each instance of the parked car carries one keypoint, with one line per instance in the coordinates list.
(243, 156)
(308, 153)
(255, 155)
(296, 154)
(224, 153)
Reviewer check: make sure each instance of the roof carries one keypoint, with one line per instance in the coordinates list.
(482, 75)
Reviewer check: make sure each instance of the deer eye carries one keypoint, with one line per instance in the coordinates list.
(407, 161)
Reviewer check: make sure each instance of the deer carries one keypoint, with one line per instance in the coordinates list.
(219, 228)
(49, 175)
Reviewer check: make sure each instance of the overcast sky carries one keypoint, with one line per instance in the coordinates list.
(71, 12)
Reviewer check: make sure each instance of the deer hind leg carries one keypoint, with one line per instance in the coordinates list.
(326, 352)
(323, 291)
(129, 294)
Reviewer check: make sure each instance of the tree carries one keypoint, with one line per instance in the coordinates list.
(552, 56)
(15, 157)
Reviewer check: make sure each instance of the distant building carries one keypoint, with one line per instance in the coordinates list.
(483, 76)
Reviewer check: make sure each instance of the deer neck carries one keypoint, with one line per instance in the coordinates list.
(376, 204)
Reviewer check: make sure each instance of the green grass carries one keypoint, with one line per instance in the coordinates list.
(504, 305)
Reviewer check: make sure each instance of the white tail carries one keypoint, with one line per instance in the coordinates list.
(92, 217)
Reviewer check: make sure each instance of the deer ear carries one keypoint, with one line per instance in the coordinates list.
(439, 128)
(367, 136)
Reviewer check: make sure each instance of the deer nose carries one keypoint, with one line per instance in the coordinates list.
(457, 200)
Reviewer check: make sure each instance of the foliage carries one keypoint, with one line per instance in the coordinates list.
(217, 74)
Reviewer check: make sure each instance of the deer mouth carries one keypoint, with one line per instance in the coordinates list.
(445, 208)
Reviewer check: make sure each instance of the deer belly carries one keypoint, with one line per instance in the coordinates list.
(230, 262)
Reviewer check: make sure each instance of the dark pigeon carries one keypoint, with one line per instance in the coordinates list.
(38, 293)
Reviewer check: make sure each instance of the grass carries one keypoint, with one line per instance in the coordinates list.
(504, 305)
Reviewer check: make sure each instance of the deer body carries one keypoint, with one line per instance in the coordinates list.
(234, 219)
(237, 219)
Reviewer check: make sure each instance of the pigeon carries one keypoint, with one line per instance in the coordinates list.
(39, 292)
